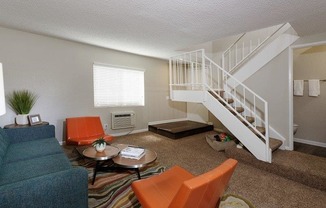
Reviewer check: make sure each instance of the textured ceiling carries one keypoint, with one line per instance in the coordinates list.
(158, 28)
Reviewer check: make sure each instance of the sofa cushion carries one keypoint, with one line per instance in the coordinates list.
(4, 143)
(26, 169)
(17, 135)
(32, 149)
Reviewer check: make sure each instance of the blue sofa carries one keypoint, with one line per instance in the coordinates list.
(35, 172)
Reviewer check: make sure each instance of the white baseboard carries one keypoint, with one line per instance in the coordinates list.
(129, 132)
(304, 141)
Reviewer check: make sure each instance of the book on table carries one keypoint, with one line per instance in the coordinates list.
(134, 157)
(132, 152)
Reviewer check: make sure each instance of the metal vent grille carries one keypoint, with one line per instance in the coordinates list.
(123, 120)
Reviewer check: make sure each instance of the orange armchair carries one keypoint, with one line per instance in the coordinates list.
(177, 188)
(85, 130)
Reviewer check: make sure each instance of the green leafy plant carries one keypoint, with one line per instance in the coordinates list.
(99, 141)
(21, 101)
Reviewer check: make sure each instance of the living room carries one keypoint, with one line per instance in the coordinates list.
(60, 72)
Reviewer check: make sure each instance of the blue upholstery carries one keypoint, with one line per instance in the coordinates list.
(28, 134)
(4, 143)
(22, 170)
(32, 149)
(63, 189)
(35, 172)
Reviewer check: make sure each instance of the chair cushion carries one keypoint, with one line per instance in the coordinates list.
(159, 190)
(206, 189)
(32, 149)
(84, 130)
(178, 188)
(26, 169)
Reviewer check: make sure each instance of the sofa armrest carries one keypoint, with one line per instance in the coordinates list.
(31, 133)
(67, 188)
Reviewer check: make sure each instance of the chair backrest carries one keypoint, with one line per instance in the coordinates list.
(84, 130)
(205, 190)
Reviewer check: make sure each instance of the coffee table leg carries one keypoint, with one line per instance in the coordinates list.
(95, 171)
(138, 173)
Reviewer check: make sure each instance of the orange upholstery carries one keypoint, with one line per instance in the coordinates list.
(84, 130)
(177, 188)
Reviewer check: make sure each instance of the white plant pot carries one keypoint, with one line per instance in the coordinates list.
(100, 147)
(22, 119)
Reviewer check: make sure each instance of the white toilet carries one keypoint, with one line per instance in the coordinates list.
(295, 128)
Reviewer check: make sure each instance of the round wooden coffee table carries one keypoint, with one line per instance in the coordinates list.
(127, 163)
(111, 153)
(101, 158)
(108, 153)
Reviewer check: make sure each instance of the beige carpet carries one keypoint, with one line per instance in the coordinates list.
(263, 189)
(303, 168)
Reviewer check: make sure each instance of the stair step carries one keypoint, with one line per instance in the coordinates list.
(238, 109)
(274, 144)
(229, 100)
(220, 92)
(248, 118)
(214, 95)
(262, 130)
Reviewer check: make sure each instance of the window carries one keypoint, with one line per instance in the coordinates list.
(118, 86)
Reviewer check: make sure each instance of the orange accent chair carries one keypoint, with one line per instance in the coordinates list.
(85, 130)
(177, 188)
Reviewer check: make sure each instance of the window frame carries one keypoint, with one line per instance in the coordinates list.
(120, 103)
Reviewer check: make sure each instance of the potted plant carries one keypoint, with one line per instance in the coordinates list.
(21, 102)
(99, 144)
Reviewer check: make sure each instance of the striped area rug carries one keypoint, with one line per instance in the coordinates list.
(112, 189)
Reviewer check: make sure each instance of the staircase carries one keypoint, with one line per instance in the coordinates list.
(196, 78)
(252, 50)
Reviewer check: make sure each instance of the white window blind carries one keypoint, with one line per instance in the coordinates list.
(118, 86)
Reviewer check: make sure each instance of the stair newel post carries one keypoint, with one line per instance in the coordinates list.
(268, 150)
(203, 72)
(255, 107)
(192, 75)
(235, 95)
(243, 50)
(236, 54)
(244, 98)
(223, 60)
(225, 78)
(170, 78)
(203, 77)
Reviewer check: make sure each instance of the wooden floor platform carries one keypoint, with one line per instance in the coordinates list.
(179, 129)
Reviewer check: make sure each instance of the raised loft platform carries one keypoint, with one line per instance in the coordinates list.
(179, 129)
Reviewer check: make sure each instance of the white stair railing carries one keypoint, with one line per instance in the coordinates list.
(246, 45)
(194, 71)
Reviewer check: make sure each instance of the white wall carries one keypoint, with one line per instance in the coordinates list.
(197, 112)
(271, 83)
(60, 72)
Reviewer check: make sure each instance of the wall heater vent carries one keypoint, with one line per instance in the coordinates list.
(123, 120)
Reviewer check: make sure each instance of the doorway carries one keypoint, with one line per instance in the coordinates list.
(306, 103)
